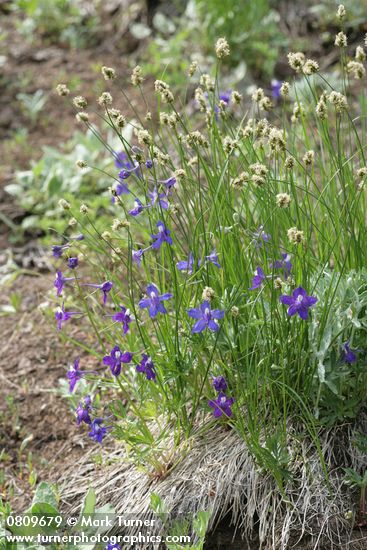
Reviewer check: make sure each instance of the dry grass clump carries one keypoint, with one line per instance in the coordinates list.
(219, 474)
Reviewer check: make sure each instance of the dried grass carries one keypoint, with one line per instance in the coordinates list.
(219, 474)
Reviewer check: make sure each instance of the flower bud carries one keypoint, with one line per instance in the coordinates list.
(65, 205)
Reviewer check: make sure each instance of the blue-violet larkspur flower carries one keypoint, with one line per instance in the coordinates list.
(138, 208)
(60, 280)
(212, 258)
(98, 432)
(186, 265)
(163, 236)
(74, 374)
(154, 301)
(124, 317)
(259, 278)
(82, 411)
(115, 359)
(159, 199)
(106, 287)
(58, 250)
(146, 366)
(137, 256)
(205, 317)
(275, 88)
(348, 355)
(220, 384)
(120, 189)
(260, 237)
(169, 182)
(73, 262)
(284, 264)
(122, 161)
(298, 303)
(62, 316)
(221, 405)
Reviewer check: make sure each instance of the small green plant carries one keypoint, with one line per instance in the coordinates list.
(356, 480)
(39, 189)
(14, 306)
(44, 518)
(253, 35)
(252, 30)
(194, 529)
(69, 21)
(33, 104)
(10, 416)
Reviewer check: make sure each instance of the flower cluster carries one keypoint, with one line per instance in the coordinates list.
(83, 415)
(219, 235)
(222, 404)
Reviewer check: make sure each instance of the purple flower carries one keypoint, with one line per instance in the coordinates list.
(186, 265)
(205, 316)
(348, 356)
(124, 317)
(149, 164)
(212, 258)
(260, 237)
(115, 359)
(62, 316)
(112, 546)
(120, 189)
(163, 236)
(158, 198)
(124, 174)
(284, 264)
(98, 432)
(275, 88)
(77, 238)
(127, 167)
(82, 411)
(74, 374)
(106, 287)
(58, 250)
(225, 97)
(137, 255)
(299, 302)
(169, 182)
(122, 161)
(257, 281)
(221, 405)
(138, 208)
(73, 262)
(146, 366)
(220, 384)
(60, 281)
(154, 301)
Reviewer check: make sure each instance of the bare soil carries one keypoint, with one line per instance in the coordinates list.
(31, 364)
